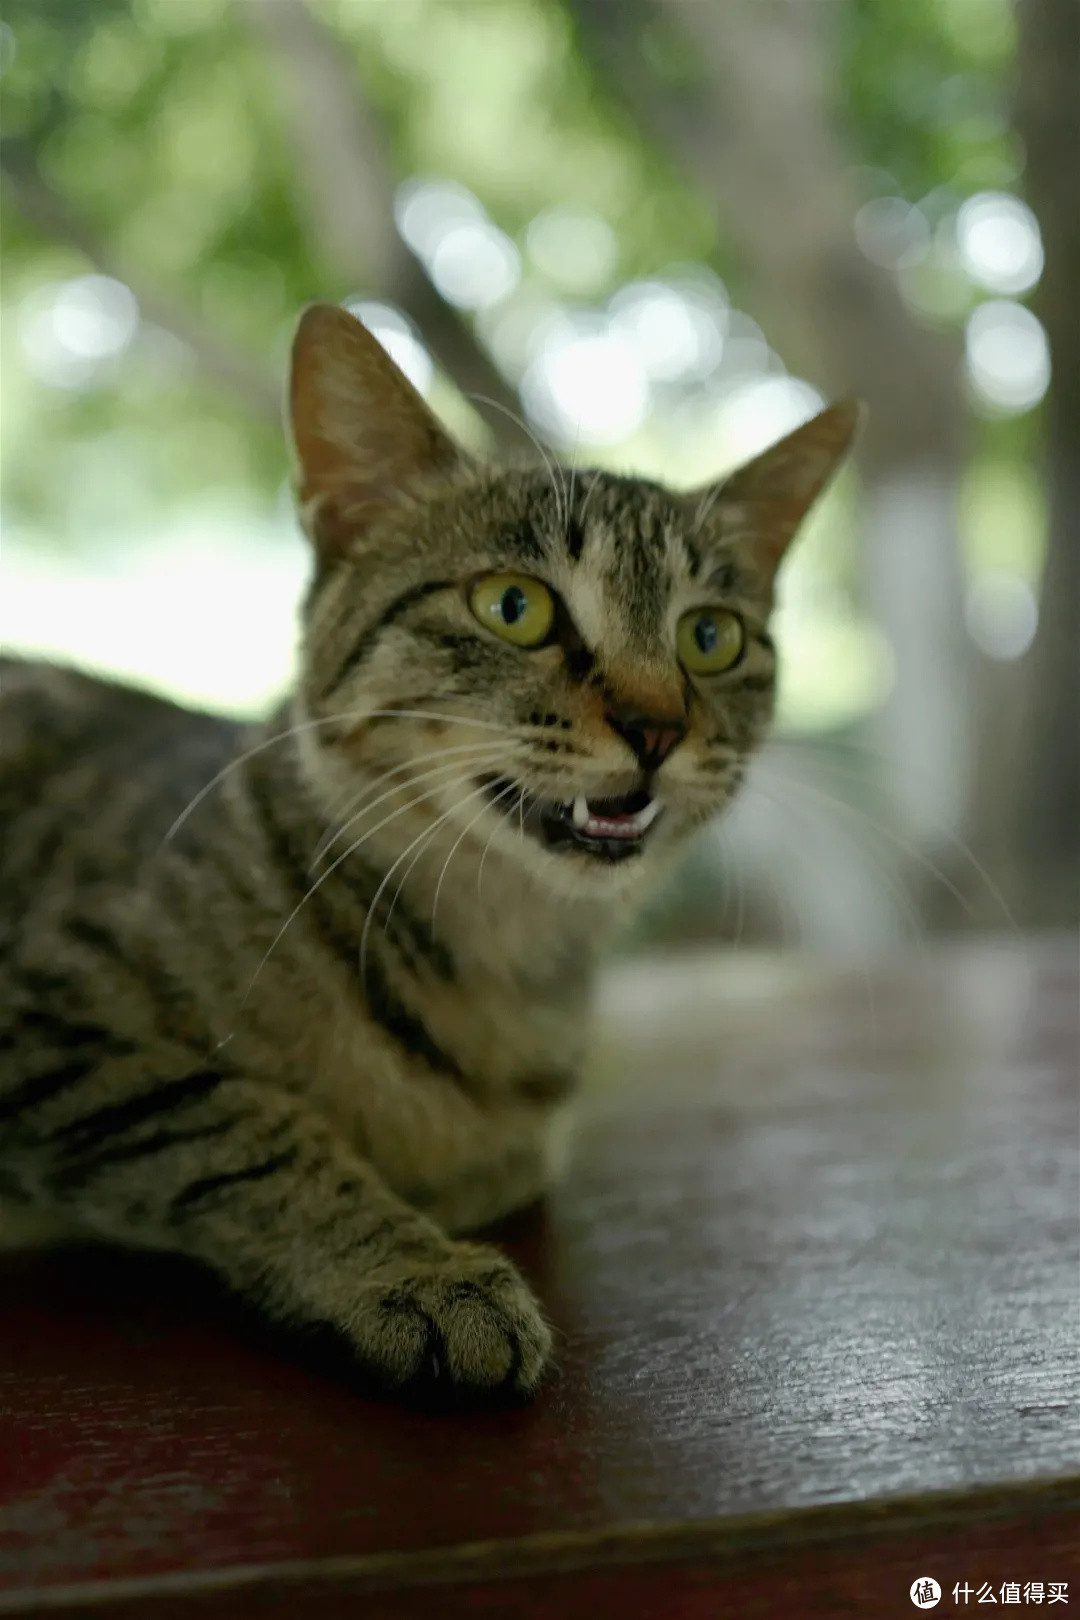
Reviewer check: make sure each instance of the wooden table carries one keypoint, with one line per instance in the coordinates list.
(816, 1274)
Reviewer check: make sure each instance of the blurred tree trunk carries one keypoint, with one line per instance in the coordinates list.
(345, 185)
(751, 118)
(1034, 815)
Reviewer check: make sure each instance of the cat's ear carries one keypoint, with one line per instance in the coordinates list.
(364, 438)
(762, 503)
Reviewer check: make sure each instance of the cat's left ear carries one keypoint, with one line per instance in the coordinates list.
(365, 441)
(762, 503)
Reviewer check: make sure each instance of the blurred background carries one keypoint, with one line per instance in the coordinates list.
(660, 232)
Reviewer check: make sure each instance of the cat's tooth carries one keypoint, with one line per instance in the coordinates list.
(646, 817)
(580, 812)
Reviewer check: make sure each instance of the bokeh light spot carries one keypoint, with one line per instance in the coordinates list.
(1002, 614)
(676, 333)
(573, 247)
(585, 384)
(1000, 242)
(1007, 356)
(69, 329)
(475, 265)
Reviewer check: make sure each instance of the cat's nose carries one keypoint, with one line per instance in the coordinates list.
(651, 736)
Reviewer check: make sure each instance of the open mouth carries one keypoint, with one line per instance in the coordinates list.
(608, 829)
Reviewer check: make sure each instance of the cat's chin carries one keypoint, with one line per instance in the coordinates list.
(596, 831)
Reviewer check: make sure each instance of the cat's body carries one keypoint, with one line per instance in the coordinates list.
(301, 999)
(429, 1064)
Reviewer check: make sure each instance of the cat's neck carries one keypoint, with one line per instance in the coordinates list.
(398, 881)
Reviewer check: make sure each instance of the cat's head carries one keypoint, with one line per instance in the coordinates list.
(571, 665)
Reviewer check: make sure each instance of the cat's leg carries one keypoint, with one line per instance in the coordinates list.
(255, 1184)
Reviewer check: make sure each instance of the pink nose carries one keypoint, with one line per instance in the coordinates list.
(652, 737)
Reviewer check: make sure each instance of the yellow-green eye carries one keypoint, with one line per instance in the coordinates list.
(515, 606)
(710, 640)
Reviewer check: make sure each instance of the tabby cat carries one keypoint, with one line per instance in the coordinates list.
(303, 1000)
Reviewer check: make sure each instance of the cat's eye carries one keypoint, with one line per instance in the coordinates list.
(515, 606)
(710, 640)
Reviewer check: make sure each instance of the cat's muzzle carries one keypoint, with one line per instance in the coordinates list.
(608, 829)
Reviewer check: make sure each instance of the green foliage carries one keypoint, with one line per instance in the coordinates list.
(926, 87)
(158, 124)
(497, 97)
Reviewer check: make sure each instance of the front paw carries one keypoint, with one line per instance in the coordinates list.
(467, 1317)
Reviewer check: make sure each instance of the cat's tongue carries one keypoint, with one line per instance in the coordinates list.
(605, 818)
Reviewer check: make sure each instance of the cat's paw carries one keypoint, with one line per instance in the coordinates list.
(467, 1318)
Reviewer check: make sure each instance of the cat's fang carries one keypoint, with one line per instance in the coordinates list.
(648, 815)
(624, 826)
(605, 828)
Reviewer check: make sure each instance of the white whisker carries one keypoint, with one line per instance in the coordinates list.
(852, 774)
(588, 497)
(573, 481)
(560, 497)
(434, 714)
(242, 759)
(412, 863)
(321, 879)
(902, 844)
(453, 847)
(478, 751)
(905, 904)
(428, 832)
(705, 506)
(310, 725)
(506, 791)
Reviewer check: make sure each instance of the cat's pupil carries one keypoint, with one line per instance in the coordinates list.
(706, 634)
(513, 604)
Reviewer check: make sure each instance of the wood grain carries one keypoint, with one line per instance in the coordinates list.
(816, 1275)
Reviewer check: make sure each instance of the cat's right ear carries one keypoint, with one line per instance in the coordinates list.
(364, 439)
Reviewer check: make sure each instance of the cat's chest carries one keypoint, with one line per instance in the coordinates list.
(464, 1163)
(471, 1141)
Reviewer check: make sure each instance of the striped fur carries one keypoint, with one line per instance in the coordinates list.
(297, 999)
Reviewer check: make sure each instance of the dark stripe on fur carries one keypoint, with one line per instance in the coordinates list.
(579, 660)
(394, 610)
(84, 1045)
(723, 578)
(384, 1232)
(470, 655)
(521, 539)
(383, 1004)
(404, 1026)
(64, 1034)
(173, 1001)
(86, 931)
(43, 1088)
(90, 1129)
(81, 1170)
(545, 1087)
(360, 881)
(44, 985)
(410, 933)
(289, 861)
(203, 1188)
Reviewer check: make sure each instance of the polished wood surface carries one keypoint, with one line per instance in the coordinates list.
(816, 1274)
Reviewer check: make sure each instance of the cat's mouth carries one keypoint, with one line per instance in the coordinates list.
(609, 829)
